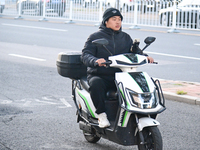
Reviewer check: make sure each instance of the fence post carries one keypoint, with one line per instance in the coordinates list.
(44, 11)
(173, 29)
(135, 16)
(100, 13)
(19, 9)
(70, 13)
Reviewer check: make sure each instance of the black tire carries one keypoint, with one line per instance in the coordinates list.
(152, 139)
(91, 138)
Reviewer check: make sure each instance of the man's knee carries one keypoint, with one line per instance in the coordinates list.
(96, 83)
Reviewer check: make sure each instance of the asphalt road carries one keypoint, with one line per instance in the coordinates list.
(36, 109)
(177, 54)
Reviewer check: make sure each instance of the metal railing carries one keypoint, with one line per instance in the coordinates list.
(159, 13)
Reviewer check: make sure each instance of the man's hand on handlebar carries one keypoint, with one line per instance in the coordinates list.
(150, 59)
(100, 61)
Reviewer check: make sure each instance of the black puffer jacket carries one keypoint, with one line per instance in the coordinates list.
(119, 43)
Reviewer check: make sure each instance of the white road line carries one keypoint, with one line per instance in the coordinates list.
(197, 44)
(27, 103)
(27, 57)
(5, 101)
(37, 100)
(171, 55)
(65, 102)
(33, 27)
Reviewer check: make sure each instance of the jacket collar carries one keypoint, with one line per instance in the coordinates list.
(108, 30)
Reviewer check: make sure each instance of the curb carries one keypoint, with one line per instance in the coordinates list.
(180, 98)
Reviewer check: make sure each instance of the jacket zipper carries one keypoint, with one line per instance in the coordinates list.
(114, 42)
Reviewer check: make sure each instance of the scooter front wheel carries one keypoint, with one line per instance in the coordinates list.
(92, 138)
(152, 139)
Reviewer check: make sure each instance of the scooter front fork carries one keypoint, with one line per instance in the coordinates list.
(139, 130)
(142, 123)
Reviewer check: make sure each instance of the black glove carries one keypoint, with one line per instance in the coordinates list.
(135, 47)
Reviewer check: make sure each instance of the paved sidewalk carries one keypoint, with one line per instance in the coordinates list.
(187, 92)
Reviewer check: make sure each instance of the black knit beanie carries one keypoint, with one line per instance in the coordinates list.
(110, 12)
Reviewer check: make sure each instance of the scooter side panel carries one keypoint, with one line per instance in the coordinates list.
(124, 135)
(83, 97)
(123, 118)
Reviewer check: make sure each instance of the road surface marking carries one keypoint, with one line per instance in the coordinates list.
(65, 102)
(27, 57)
(33, 27)
(171, 55)
(62, 106)
(27, 103)
(37, 100)
(5, 102)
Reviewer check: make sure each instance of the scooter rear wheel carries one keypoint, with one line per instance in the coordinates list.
(92, 138)
(152, 139)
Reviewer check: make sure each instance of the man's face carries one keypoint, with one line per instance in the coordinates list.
(114, 23)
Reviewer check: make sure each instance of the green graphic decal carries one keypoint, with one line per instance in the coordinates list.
(124, 118)
(128, 105)
(141, 81)
(132, 58)
(147, 82)
(122, 93)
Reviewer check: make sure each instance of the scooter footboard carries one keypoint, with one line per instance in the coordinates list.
(146, 122)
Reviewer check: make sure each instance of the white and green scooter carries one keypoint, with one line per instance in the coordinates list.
(131, 110)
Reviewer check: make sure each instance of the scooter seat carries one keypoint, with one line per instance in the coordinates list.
(84, 83)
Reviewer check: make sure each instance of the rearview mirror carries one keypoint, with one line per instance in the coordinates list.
(149, 40)
(100, 42)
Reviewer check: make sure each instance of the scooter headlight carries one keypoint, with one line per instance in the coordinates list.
(144, 100)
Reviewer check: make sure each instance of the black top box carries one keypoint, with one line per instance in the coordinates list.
(70, 65)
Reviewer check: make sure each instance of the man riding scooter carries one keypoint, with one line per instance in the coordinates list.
(101, 78)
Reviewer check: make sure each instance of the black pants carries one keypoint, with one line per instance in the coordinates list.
(98, 89)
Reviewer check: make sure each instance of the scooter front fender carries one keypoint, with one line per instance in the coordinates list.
(147, 122)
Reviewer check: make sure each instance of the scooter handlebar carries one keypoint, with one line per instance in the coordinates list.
(153, 62)
(107, 63)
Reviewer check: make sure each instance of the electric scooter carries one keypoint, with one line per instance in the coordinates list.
(131, 109)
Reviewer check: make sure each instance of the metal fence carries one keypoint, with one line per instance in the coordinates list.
(159, 13)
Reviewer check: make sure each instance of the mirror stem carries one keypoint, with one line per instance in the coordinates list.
(107, 50)
(145, 47)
